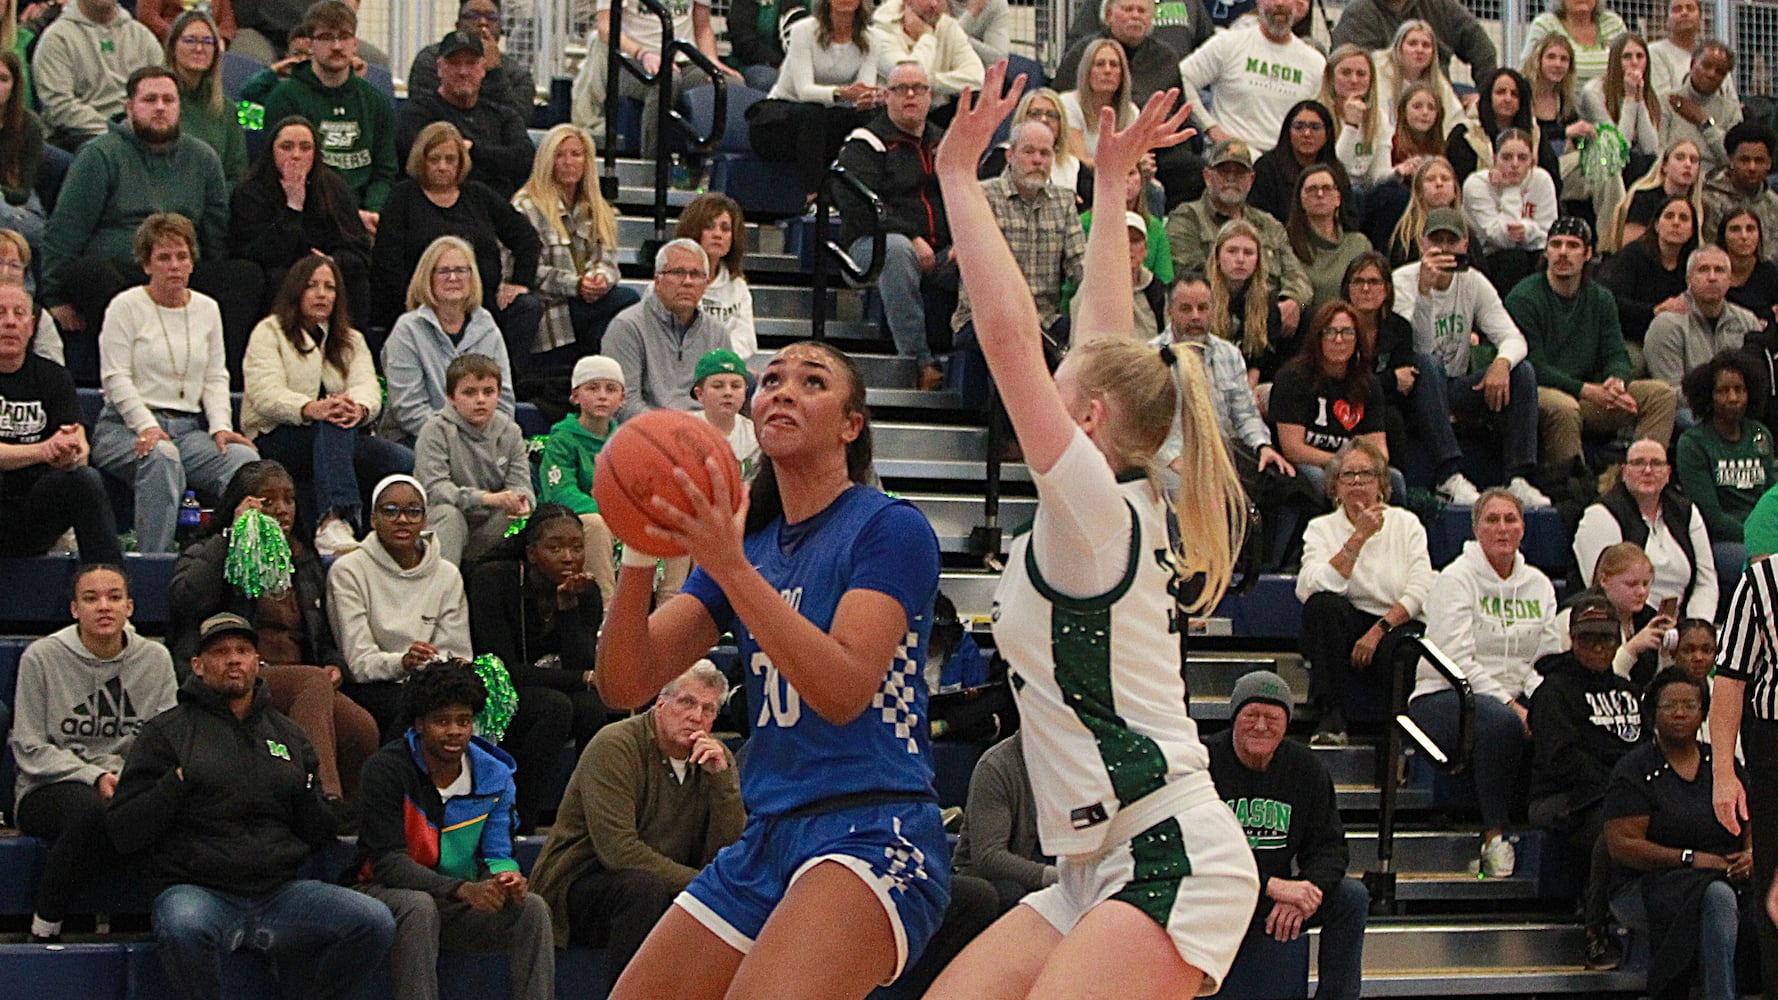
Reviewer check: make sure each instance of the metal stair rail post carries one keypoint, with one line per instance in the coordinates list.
(1409, 652)
(827, 250)
(985, 538)
(668, 118)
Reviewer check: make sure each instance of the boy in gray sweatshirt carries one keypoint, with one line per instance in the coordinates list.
(82, 695)
(471, 457)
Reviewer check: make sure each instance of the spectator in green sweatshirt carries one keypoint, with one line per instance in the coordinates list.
(356, 122)
(1725, 461)
(1570, 323)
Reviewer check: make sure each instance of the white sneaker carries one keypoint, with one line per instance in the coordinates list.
(334, 537)
(1529, 495)
(1498, 859)
(1458, 491)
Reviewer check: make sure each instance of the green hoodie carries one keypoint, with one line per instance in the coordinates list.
(567, 473)
(115, 183)
(356, 124)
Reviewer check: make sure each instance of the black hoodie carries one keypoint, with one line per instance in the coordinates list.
(1582, 723)
(224, 803)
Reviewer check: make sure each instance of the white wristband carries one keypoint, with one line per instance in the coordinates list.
(636, 558)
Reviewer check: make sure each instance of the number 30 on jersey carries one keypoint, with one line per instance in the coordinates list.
(781, 706)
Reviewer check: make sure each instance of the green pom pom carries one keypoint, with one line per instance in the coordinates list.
(503, 700)
(258, 556)
(1604, 156)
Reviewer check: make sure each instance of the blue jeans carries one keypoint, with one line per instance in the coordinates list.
(1438, 397)
(1719, 923)
(336, 936)
(1341, 918)
(161, 477)
(1500, 743)
(898, 284)
(330, 463)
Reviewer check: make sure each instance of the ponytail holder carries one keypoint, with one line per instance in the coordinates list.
(1167, 356)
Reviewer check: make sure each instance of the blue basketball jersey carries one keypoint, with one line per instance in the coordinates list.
(795, 756)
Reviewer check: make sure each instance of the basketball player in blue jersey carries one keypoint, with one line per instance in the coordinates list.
(1156, 882)
(842, 873)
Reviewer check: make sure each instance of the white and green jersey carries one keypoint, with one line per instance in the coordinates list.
(1097, 678)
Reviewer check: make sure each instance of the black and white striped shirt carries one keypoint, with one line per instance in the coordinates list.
(1748, 651)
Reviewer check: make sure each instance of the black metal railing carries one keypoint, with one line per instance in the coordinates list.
(1409, 652)
(828, 252)
(668, 117)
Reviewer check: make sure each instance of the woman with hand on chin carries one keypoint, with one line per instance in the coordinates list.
(1169, 924)
(167, 424)
(1365, 574)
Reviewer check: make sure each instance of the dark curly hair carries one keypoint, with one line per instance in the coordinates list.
(441, 685)
(1699, 384)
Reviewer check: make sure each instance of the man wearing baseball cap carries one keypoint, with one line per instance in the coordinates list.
(1443, 299)
(1577, 348)
(1192, 229)
(1584, 718)
(502, 148)
(1284, 799)
(219, 795)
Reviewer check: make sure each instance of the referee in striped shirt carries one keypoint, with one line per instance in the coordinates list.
(1744, 703)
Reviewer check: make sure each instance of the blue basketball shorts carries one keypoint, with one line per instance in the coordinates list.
(898, 849)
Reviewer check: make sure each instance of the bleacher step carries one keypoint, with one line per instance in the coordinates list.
(634, 230)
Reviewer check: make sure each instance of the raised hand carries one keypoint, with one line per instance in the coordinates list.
(979, 113)
(1155, 127)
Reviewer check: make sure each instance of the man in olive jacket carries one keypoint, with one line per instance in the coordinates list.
(650, 803)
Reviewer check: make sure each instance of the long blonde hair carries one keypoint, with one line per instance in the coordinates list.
(1142, 399)
(1255, 337)
(1435, 77)
(1407, 231)
(1120, 102)
(584, 201)
(1367, 129)
(1612, 237)
(1021, 114)
(1565, 91)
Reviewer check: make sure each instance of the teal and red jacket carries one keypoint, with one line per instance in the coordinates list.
(409, 838)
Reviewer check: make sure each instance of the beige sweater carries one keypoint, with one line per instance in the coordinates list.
(280, 380)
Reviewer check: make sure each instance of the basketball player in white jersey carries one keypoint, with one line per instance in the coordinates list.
(1156, 880)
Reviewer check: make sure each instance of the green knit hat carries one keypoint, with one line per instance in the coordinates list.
(719, 362)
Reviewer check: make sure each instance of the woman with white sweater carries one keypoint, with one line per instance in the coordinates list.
(167, 425)
(827, 86)
(1510, 207)
(1493, 615)
(1365, 574)
(311, 397)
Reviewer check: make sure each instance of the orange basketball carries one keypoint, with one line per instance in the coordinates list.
(637, 465)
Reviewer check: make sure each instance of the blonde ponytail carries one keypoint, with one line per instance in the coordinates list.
(1211, 507)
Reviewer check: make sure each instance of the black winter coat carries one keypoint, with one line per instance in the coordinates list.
(224, 803)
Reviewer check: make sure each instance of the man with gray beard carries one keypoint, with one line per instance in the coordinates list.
(1042, 227)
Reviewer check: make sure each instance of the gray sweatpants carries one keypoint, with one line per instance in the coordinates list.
(424, 924)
